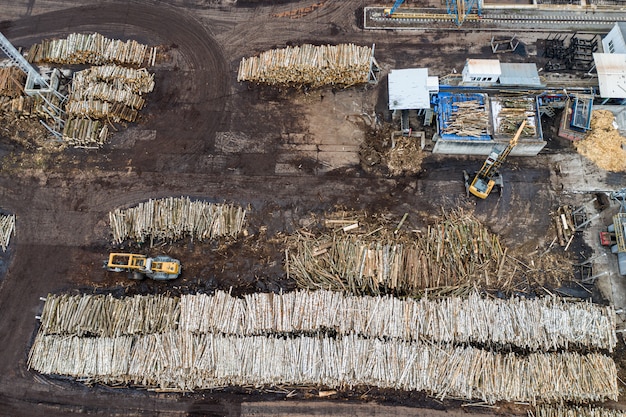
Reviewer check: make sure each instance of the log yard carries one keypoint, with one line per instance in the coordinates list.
(313, 207)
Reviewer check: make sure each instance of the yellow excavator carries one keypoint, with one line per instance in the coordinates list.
(159, 268)
(488, 176)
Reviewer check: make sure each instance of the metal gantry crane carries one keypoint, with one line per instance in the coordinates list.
(37, 85)
(459, 10)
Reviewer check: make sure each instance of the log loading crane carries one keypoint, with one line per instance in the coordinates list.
(159, 268)
(488, 176)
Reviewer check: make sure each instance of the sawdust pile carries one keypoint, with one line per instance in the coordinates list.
(405, 157)
(603, 144)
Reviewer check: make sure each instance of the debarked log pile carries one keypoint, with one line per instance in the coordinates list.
(576, 411)
(90, 48)
(315, 66)
(176, 218)
(537, 324)
(182, 361)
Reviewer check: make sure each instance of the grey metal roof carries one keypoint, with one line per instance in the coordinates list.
(521, 74)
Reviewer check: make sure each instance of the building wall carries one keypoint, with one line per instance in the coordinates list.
(613, 42)
(470, 147)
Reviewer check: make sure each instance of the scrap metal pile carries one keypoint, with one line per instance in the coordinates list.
(212, 341)
(172, 219)
(308, 65)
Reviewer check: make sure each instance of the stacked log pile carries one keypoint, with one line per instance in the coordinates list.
(184, 361)
(12, 82)
(23, 106)
(7, 229)
(457, 251)
(469, 118)
(109, 92)
(538, 324)
(315, 66)
(90, 48)
(135, 80)
(176, 218)
(572, 411)
(85, 132)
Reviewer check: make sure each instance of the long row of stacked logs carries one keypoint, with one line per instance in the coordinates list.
(308, 65)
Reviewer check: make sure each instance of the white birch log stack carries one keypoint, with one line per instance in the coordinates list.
(7, 229)
(176, 218)
(315, 66)
(531, 324)
(182, 361)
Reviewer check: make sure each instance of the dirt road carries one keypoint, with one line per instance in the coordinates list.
(283, 153)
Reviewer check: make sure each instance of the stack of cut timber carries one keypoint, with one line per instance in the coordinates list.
(178, 360)
(92, 48)
(537, 324)
(85, 132)
(105, 92)
(576, 411)
(135, 80)
(315, 66)
(98, 109)
(12, 81)
(7, 228)
(23, 106)
(565, 228)
(175, 218)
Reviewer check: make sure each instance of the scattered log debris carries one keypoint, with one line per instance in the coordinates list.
(92, 48)
(470, 118)
(171, 219)
(182, 361)
(603, 144)
(308, 65)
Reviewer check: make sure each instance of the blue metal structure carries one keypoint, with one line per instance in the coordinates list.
(395, 7)
(461, 8)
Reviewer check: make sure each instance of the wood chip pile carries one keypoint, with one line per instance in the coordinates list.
(457, 251)
(184, 361)
(315, 66)
(572, 411)
(471, 118)
(90, 48)
(604, 144)
(12, 82)
(176, 218)
(7, 229)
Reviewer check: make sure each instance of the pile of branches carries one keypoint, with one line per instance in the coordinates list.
(173, 219)
(314, 66)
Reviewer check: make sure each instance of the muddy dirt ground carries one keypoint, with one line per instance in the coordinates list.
(287, 155)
